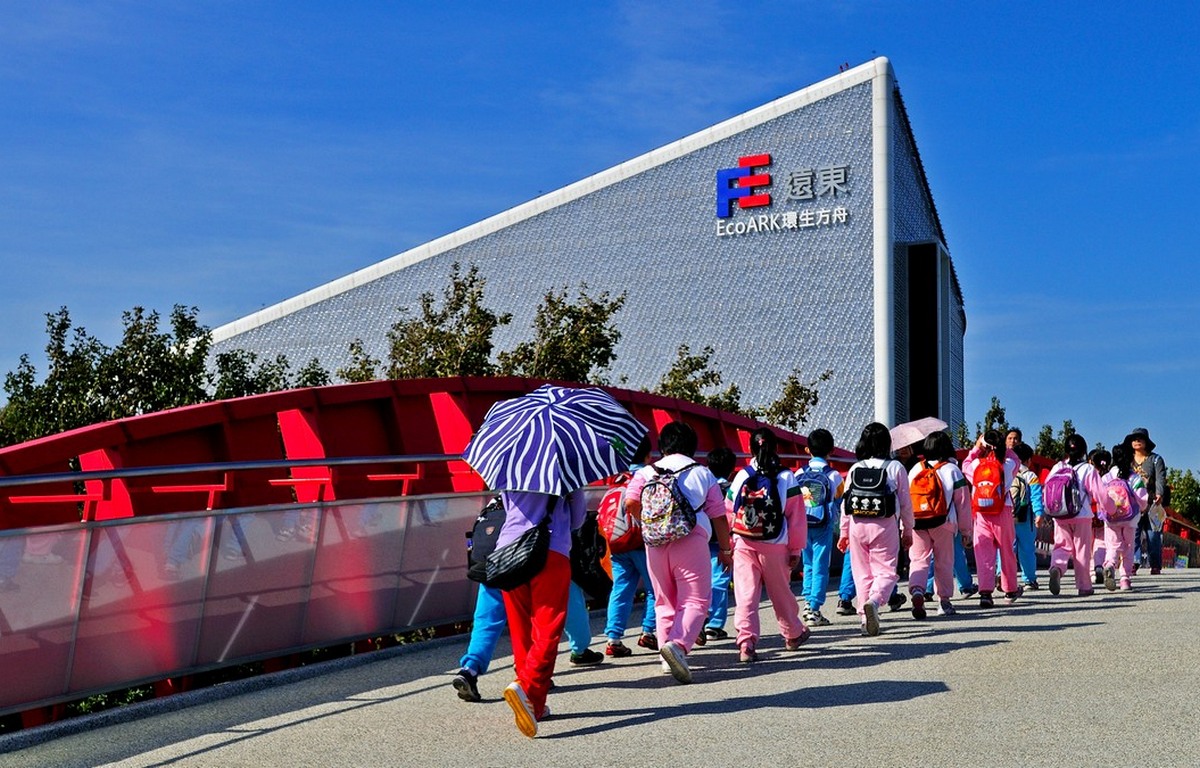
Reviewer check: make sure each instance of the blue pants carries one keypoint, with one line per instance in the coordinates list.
(846, 589)
(627, 569)
(718, 607)
(1153, 543)
(491, 619)
(1026, 552)
(816, 565)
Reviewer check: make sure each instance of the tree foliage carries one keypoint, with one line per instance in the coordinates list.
(87, 382)
(795, 402)
(240, 373)
(454, 339)
(573, 341)
(362, 367)
(691, 376)
(1185, 494)
(1051, 446)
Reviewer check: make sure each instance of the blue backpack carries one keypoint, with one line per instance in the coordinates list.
(817, 491)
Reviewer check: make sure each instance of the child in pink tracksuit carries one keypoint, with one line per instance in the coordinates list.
(680, 570)
(994, 534)
(765, 553)
(1073, 535)
(1120, 533)
(877, 492)
(933, 538)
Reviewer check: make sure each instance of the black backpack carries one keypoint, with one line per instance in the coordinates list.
(869, 494)
(481, 539)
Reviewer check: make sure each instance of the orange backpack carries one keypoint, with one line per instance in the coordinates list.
(988, 487)
(928, 497)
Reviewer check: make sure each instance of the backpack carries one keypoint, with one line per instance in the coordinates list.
(481, 539)
(1119, 503)
(987, 487)
(667, 515)
(588, 546)
(1022, 498)
(622, 531)
(1060, 492)
(928, 498)
(869, 494)
(759, 510)
(817, 491)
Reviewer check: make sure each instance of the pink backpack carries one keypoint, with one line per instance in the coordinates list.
(1118, 503)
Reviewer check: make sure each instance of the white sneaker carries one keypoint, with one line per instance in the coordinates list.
(666, 668)
(675, 657)
(871, 618)
(514, 694)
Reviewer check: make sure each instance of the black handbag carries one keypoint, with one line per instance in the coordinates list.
(517, 562)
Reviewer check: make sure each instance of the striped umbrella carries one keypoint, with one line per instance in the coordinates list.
(553, 440)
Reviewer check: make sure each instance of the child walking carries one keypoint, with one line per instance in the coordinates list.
(769, 535)
(991, 467)
(822, 515)
(877, 493)
(678, 563)
(941, 510)
(1122, 503)
(1072, 535)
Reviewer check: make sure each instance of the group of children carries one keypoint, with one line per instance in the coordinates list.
(702, 527)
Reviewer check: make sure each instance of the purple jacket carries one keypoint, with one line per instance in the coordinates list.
(523, 510)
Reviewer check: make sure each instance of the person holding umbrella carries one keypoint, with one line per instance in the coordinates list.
(539, 450)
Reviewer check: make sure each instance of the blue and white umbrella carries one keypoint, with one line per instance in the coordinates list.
(553, 440)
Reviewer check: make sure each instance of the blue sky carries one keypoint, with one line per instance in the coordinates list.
(230, 155)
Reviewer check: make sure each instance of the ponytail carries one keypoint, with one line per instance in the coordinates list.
(763, 447)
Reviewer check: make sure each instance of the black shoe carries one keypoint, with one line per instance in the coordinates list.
(1031, 586)
(918, 606)
(464, 684)
(985, 600)
(716, 633)
(1099, 575)
(1110, 579)
(1055, 581)
(586, 658)
(845, 608)
(970, 591)
(897, 601)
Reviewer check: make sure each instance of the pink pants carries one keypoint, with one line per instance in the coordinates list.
(757, 564)
(874, 550)
(1073, 541)
(995, 535)
(1118, 543)
(681, 573)
(937, 543)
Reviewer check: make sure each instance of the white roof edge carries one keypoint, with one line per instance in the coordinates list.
(879, 67)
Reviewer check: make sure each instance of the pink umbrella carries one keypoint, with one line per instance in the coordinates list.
(914, 431)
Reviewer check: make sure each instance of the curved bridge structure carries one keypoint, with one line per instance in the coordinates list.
(150, 549)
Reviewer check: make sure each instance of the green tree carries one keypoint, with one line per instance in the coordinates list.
(453, 340)
(313, 375)
(239, 373)
(362, 367)
(152, 370)
(573, 341)
(1054, 447)
(995, 418)
(1185, 494)
(690, 375)
(795, 402)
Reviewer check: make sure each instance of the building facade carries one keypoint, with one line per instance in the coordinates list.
(801, 235)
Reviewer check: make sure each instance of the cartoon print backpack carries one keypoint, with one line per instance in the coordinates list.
(1021, 496)
(928, 498)
(988, 487)
(622, 531)
(869, 494)
(667, 515)
(759, 512)
(1119, 503)
(1060, 492)
(817, 491)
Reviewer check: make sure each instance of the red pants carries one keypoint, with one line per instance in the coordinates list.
(537, 614)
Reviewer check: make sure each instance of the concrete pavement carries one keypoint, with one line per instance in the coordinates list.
(1065, 681)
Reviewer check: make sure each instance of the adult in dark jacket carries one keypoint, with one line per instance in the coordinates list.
(1153, 470)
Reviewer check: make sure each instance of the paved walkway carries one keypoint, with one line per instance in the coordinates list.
(1106, 680)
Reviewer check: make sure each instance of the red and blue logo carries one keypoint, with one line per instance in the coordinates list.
(740, 185)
